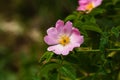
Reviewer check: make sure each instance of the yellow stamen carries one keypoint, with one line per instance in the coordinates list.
(90, 6)
(64, 40)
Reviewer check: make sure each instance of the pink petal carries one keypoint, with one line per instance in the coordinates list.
(57, 49)
(69, 48)
(52, 32)
(83, 2)
(59, 25)
(52, 36)
(50, 40)
(82, 5)
(81, 8)
(76, 37)
(67, 28)
(64, 50)
(97, 2)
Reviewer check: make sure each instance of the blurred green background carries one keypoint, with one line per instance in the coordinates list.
(23, 24)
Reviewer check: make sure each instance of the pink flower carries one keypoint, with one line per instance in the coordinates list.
(63, 38)
(88, 5)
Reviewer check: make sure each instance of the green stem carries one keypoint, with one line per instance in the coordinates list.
(60, 63)
(78, 15)
(96, 50)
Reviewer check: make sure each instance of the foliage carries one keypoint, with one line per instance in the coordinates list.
(23, 58)
(98, 58)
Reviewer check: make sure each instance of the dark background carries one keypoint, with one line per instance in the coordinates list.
(23, 24)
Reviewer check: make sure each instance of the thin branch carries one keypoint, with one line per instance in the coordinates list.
(95, 50)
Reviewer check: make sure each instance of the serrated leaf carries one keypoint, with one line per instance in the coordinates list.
(92, 28)
(46, 70)
(46, 56)
(70, 17)
(97, 11)
(93, 20)
(115, 31)
(68, 71)
(104, 41)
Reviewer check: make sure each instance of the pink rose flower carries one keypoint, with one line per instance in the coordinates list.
(63, 38)
(88, 5)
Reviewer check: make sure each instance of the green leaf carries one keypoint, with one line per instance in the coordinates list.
(96, 11)
(70, 17)
(118, 27)
(35, 78)
(48, 70)
(68, 71)
(93, 20)
(114, 1)
(104, 41)
(46, 56)
(92, 28)
(115, 31)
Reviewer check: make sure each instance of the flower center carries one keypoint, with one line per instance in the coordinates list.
(90, 6)
(64, 40)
